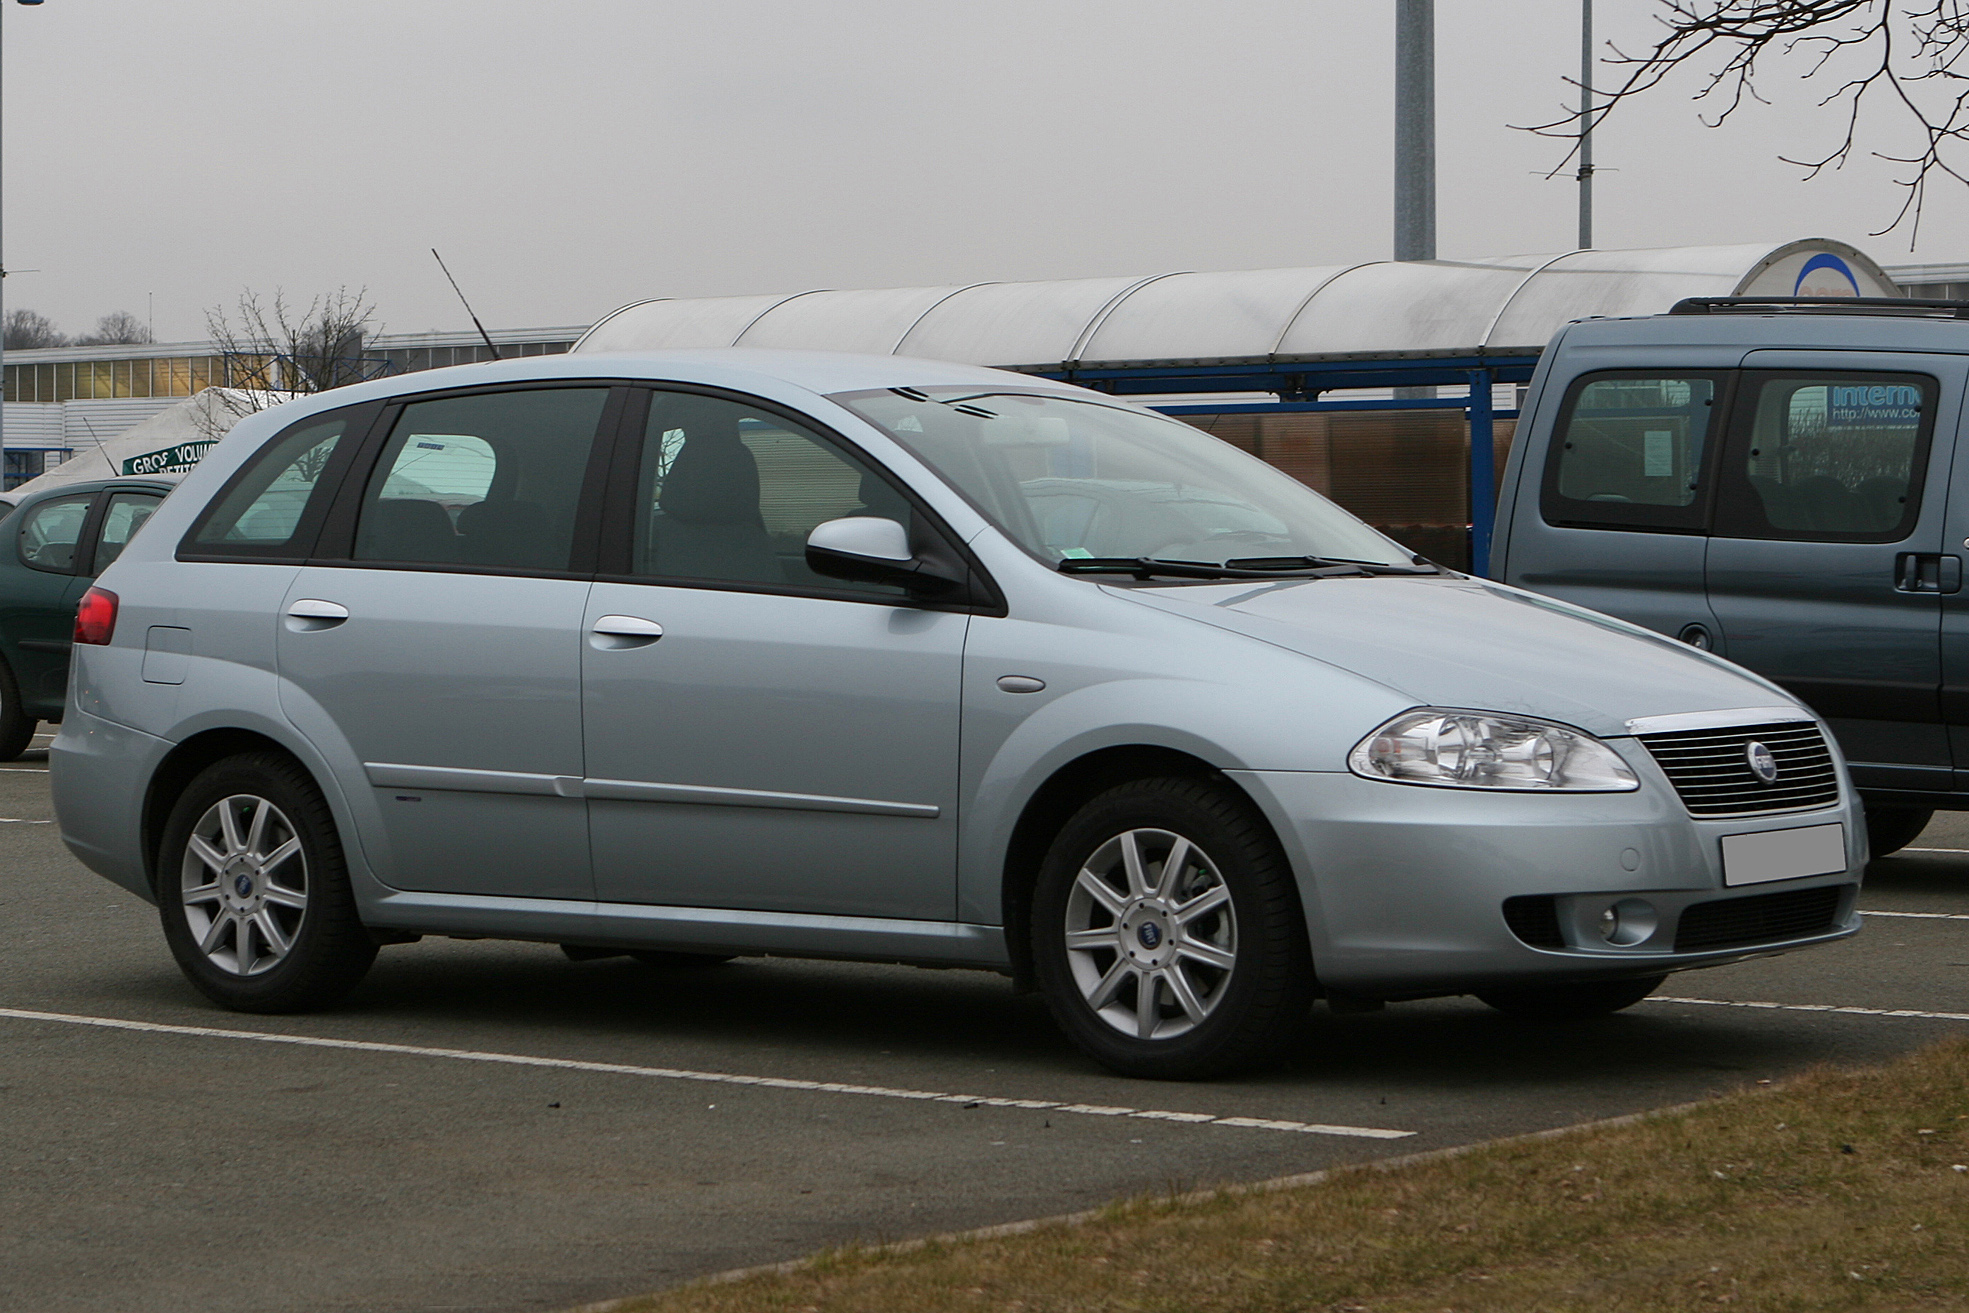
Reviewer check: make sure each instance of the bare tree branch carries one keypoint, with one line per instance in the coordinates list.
(28, 329)
(275, 351)
(1900, 56)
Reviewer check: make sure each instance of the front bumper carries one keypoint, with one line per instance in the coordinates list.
(1405, 887)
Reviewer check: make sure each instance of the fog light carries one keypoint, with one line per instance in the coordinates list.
(1628, 922)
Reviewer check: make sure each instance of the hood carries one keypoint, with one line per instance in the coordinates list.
(1463, 642)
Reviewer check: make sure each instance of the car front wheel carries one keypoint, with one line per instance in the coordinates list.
(1167, 933)
(254, 893)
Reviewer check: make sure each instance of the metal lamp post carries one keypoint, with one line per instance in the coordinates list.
(3, 348)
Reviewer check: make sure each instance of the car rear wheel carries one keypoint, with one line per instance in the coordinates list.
(1167, 934)
(16, 726)
(1890, 829)
(254, 893)
(1572, 1002)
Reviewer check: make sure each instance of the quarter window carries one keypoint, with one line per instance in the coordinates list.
(1830, 457)
(264, 511)
(492, 480)
(1632, 452)
(728, 493)
(51, 531)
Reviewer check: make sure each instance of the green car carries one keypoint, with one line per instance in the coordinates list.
(52, 544)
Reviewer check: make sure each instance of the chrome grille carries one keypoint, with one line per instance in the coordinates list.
(1710, 768)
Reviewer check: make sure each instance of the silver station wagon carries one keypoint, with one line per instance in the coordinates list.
(694, 655)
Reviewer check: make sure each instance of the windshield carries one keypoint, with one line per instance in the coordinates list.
(1073, 480)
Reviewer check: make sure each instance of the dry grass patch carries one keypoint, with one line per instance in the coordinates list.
(1838, 1190)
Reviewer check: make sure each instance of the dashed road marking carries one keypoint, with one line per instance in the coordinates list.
(1815, 1007)
(710, 1077)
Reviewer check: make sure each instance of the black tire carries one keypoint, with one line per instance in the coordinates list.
(16, 726)
(1890, 829)
(671, 960)
(1580, 1001)
(245, 906)
(1250, 1012)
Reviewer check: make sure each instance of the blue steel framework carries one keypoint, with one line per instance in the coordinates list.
(1299, 384)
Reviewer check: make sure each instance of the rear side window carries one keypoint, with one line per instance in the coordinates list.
(1831, 457)
(50, 533)
(274, 503)
(1633, 451)
(486, 481)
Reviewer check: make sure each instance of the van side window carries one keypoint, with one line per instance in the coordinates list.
(488, 481)
(1631, 450)
(1832, 457)
(262, 513)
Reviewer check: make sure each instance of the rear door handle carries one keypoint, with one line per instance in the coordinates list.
(310, 614)
(612, 633)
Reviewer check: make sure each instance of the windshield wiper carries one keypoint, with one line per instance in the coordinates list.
(1272, 564)
(1148, 567)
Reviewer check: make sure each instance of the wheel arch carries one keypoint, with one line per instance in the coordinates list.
(183, 764)
(1062, 794)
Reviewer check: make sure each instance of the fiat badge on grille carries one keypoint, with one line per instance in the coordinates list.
(1763, 762)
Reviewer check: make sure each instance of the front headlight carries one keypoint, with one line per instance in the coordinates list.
(1483, 750)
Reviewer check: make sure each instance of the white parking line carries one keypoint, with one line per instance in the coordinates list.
(1815, 1007)
(15, 820)
(25, 770)
(1933, 850)
(1924, 916)
(711, 1077)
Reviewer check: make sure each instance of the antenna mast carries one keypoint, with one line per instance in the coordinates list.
(468, 306)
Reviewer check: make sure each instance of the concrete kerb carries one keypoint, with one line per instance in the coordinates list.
(1204, 1195)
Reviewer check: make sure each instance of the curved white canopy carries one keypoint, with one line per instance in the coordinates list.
(1502, 304)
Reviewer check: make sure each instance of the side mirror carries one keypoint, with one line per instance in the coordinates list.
(871, 550)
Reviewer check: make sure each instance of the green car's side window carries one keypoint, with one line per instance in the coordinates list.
(50, 533)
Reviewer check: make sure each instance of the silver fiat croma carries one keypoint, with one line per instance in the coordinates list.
(692, 655)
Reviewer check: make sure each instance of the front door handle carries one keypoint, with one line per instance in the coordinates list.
(1926, 572)
(612, 633)
(312, 614)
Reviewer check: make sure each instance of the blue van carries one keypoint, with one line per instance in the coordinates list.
(1776, 481)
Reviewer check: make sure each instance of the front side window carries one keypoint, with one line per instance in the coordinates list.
(728, 493)
(1069, 479)
(1827, 456)
(492, 480)
(262, 513)
(50, 533)
(1631, 450)
(125, 514)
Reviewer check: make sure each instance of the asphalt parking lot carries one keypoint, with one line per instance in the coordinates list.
(487, 1126)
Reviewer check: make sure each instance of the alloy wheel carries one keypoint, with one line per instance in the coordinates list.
(244, 884)
(1151, 935)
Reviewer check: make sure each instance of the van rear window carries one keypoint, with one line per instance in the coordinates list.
(1632, 451)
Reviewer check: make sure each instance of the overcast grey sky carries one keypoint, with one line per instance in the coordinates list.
(570, 155)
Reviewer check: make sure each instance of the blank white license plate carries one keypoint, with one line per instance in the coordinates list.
(1784, 854)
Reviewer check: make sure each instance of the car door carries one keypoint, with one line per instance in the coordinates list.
(441, 651)
(759, 737)
(37, 613)
(1826, 564)
(1624, 496)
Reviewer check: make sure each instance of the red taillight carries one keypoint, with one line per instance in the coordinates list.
(95, 619)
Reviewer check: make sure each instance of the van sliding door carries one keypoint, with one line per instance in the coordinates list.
(1826, 568)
